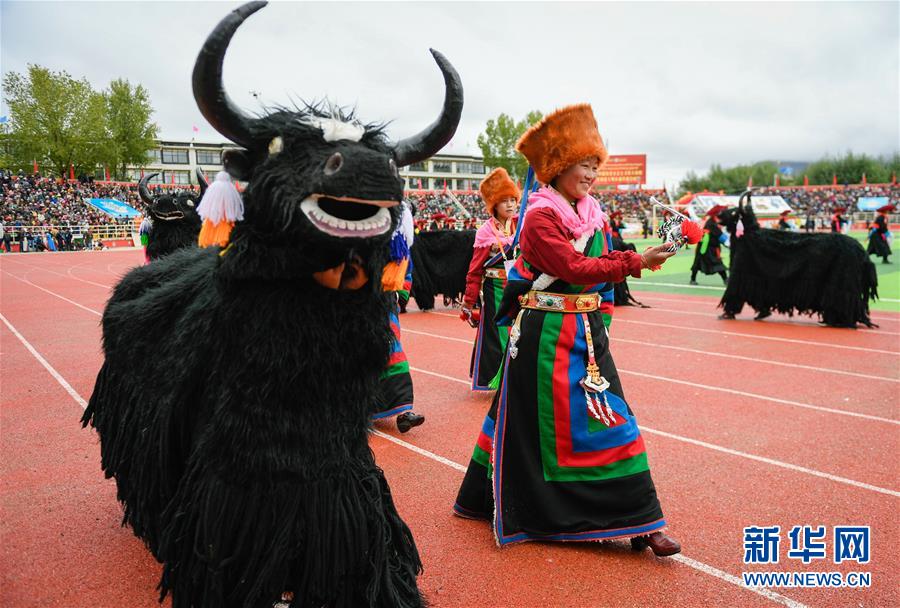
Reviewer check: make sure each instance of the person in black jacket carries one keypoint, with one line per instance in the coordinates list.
(708, 255)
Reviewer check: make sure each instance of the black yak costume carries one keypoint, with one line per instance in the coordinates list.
(239, 446)
(173, 219)
(825, 274)
(440, 264)
(622, 293)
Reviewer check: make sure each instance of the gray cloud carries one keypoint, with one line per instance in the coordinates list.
(689, 84)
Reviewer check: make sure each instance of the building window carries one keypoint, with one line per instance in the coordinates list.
(209, 157)
(418, 167)
(154, 156)
(463, 167)
(441, 166)
(174, 157)
(477, 168)
(177, 177)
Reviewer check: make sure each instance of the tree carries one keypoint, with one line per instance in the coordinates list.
(56, 120)
(498, 143)
(131, 134)
(849, 169)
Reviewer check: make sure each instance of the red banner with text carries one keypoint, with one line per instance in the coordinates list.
(623, 169)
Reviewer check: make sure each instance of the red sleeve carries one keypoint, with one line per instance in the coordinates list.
(545, 244)
(480, 255)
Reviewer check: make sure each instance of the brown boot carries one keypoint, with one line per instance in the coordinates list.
(661, 544)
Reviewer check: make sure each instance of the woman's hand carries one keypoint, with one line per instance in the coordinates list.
(654, 257)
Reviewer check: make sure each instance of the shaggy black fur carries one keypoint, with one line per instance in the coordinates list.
(825, 274)
(175, 223)
(234, 400)
(440, 264)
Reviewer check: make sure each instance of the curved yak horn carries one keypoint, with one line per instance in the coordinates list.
(436, 135)
(209, 92)
(144, 191)
(201, 180)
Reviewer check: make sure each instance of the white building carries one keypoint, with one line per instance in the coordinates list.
(176, 161)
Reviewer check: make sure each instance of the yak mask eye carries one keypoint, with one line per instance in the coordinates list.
(334, 163)
(276, 146)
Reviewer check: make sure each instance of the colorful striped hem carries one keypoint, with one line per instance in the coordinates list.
(392, 412)
(467, 514)
(592, 535)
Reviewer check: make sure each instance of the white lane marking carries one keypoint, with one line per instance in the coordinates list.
(756, 337)
(777, 463)
(725, 450)
(55, 295)
(728, 578)
(418, 450)
(763, 397)
(68, 274)
(56, 375)
(774, 322)
(652, 295)
(755, 360)
(638, 283)
(810, 406)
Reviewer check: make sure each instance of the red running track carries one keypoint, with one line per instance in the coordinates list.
(773, 423)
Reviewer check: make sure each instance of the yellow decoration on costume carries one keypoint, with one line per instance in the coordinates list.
(394, 275)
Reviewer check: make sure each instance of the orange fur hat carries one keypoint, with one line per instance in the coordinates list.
(562, 139)
(497, 186)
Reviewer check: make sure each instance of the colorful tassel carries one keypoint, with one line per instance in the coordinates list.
(220, 207)
(691, 231)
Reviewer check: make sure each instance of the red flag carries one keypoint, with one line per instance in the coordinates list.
(893, 178)
(805, 180)
(864, 182)
(834, 179)
(420, 184)
(34, 162)
(142, 174)
(106, 169)
(71, 172)
(445, 184)
(173, 177)
(777, 181)
(750, 182)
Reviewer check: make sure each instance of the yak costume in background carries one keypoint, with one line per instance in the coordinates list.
(172, 221)
(560, 456)
(826, 274)
(838, 221)
(440, 261)
(395, 394)
(240, 448)
(486, 279)
(622, 293)
(878, 235)
(708, 255)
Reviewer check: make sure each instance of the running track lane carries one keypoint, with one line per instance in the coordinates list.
(482, 407)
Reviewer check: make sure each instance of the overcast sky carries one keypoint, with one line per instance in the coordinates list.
(688, 84)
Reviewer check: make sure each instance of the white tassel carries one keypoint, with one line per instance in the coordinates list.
(221, 201)
(407, 226)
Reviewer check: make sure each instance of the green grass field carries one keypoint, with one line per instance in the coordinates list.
(676, 274)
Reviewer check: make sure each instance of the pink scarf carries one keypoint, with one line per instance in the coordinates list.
(588, 219)
(488, 236)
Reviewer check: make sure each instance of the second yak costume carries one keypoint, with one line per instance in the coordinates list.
(240, 448)
(708, 255)
(486, 279)
(560, 456)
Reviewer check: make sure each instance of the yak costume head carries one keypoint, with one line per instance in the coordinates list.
(171, 207)
(174, 220)
(323, 190)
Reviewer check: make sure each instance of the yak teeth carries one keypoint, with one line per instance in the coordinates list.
(380, 221)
